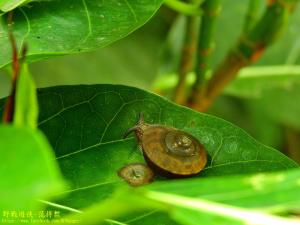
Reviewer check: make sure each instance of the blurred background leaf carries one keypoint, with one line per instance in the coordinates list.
(30, 171)
(54, 28)
(132, 61)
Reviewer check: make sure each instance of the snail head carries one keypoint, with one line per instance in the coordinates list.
(138, 128)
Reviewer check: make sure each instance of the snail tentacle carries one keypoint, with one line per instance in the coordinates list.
(135, 128)
(141, 118)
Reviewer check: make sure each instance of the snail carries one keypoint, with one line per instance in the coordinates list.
(168, 151)
(136, 174)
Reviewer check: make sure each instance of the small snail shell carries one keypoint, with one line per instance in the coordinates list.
(136, 174)
(169, 151)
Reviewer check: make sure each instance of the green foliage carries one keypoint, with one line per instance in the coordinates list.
(64, 27)
(28, 169)
(85, 123)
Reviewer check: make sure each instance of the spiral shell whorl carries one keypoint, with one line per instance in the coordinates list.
(185, 159)
(179, 144)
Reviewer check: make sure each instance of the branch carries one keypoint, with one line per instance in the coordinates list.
(248, 50)
(211, 8)
(187, 58)
(9, 107)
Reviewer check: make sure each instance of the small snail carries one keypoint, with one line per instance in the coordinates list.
(136, 174)
(169, 151)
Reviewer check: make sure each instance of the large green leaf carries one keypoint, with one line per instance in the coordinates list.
(141, 46)
(85, 125)
(28, 170)
(65, 27)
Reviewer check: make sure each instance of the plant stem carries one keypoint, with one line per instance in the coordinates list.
(184, 8)
(292, 145)
(187, 58)
(252, 13)
(248, 49)
(10, 103)
(211, 9)
(9, 108)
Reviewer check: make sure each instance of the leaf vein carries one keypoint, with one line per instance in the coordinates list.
(92, 146)
(88, 20)
(131, 10)
(88, 187)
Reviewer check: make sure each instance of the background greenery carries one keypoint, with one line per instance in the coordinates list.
(84, 124)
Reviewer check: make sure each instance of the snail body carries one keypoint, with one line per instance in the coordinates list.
(169, 151)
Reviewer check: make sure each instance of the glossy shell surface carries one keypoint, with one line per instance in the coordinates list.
(160, 149)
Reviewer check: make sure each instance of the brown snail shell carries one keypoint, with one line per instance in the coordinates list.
(169, 151)
(136, 174)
